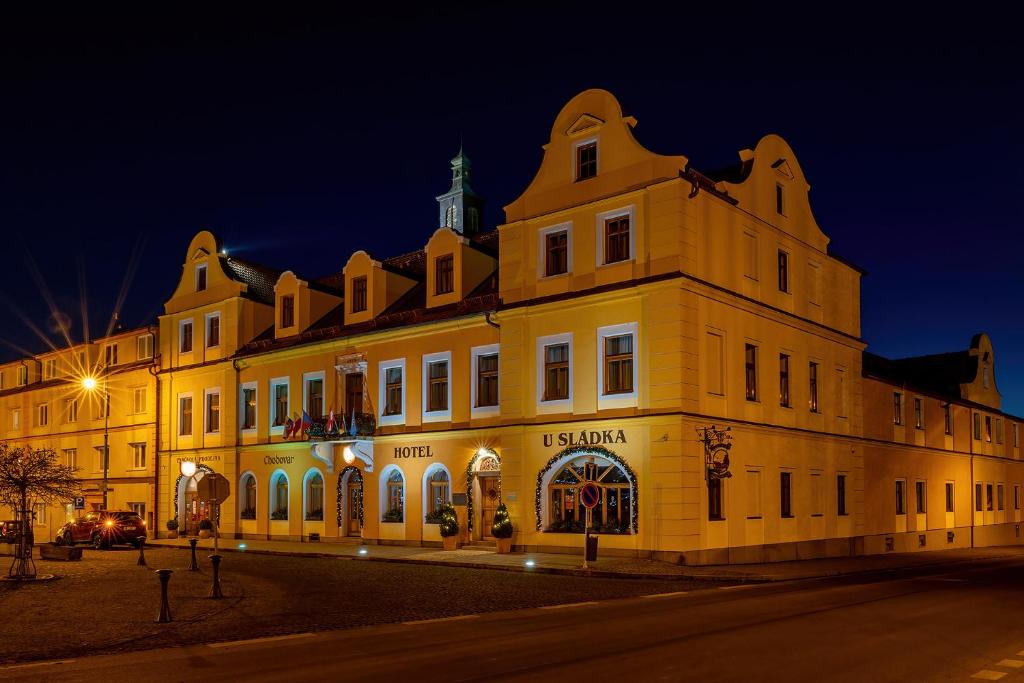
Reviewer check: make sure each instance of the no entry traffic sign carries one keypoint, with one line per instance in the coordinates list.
(590, 495)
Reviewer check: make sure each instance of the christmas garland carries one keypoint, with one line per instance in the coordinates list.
(341, 496)
(588, 450)
(177, 487)
(469, 483)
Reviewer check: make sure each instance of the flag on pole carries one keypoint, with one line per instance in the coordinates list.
(352, 423)
(330, 421)
(287, 428)
(305, 423)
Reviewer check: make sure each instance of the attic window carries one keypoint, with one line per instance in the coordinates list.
(586, 160)
(359, 294)
(287, 311)
(444, 274)
(201, 277)
(778, 200)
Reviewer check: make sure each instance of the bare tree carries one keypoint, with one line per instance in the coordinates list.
(29, 476)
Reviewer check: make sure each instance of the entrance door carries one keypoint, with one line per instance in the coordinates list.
(488, 504)
(354, 496)
(353, 393)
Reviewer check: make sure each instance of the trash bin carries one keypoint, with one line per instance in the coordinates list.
(591, 548)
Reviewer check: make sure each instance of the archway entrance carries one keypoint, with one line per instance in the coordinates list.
(559, 509)
(191, 509)
(484, 493)
(350, 502)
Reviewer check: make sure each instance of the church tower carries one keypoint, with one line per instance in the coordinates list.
(460, 208)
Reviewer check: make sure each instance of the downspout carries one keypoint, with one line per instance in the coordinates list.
(970, 439)
(238, 454)
(153, 370)
(487, 319)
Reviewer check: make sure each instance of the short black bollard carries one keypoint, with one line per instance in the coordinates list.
(194, 567)
(215, 591)
(165, 608)
(142, 551)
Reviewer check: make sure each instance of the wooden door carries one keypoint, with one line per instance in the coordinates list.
(354, 494)
(353, 393)
(488, 504)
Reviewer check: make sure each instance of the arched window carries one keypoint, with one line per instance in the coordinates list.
(279, 496)
(248, 488)
(449, 217)
(394, 498)
(436, 492)
(612, 515)
(314, 497)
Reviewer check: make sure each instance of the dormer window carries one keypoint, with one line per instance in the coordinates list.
(110, 354)
(359, 294)
(201, 277)
(144, 344)
(287, 311)
(444, 274)
(22, 375)
(586, 160)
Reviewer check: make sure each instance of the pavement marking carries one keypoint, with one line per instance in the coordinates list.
(30, 665)
(989, 675)
(255, 641)
(664, 595)
(433, 621)
(569, 604)
(1011, 663)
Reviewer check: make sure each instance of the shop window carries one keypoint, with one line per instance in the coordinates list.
(279, 496)
(248, 508)
(566, 513)
(394, 497)
(314, 497)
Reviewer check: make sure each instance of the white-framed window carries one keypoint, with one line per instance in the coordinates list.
(42, 414)
(49, 368)
(211, 417)
(392, 494)
(313, 386)
(554, 250)
(280, 405)
(138, 400)
(616, 236)
(185, 419)
(102, 458)
(201, 277)
(554, 373)
(39, 513)
(22, 375)
(138, 455)
(139, 509)
(247, 496)
(279, 496)
(110, 354)
(16, 418)
(617, 366)
(213, 330)
(313, 496)
(437, 386)
(71, 457)
(71, 410)
(437, 491)
(144, 346)
(585, 159)
(484, 390)
(247, 407)
(391, 391)
(185, 336)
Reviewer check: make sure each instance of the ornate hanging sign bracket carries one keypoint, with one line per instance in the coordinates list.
(717, 443)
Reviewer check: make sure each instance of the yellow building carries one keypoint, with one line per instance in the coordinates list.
(46, 402)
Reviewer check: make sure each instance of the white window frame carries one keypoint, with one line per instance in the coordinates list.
(382, 368)
(474, 355)
(16, 418)
(274, 383)
(135, 392)
(306, 377)
(206, 411)
(42, 414)
(576, 157)
(107, 354)
(49, 368)
(146, 339)
(182, 396)
(22, 375)
(560, 405)
(599, 232)
(435, 415)
(542, 252)
(181, 335)
(617, 400)
(135, 445)
(195, 282)
(206, 331)
(68, 403)
(432, 469)
(254, 386)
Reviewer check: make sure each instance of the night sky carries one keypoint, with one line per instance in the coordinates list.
(301, 139)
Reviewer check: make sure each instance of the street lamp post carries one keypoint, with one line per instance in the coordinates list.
(188, 470)
(90, 384)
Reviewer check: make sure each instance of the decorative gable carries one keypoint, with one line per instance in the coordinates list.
(782, 167)
(200, 254)
(585, 124)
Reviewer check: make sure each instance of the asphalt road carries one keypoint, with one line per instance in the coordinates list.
(939, 625)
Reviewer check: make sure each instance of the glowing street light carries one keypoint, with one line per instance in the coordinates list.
(90, 384)
(188, 469)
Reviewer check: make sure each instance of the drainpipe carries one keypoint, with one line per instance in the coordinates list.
(238, 440)
(487, 319)
(154, 370)
(970, 439)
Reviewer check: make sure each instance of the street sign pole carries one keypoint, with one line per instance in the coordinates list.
(216, 531)
(586, 538)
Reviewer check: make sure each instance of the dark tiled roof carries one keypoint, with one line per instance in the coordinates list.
(734, 173)
(940, 373)
(259, 279)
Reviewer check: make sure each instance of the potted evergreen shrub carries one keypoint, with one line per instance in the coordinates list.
(449, 528)
(205, 528)
(502, 529)
(172, 528)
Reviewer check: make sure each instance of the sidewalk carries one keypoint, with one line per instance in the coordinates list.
(621, 567)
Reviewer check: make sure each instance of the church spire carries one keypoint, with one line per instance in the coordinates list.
(460, 208)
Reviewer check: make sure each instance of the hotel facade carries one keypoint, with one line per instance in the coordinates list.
(684, 339)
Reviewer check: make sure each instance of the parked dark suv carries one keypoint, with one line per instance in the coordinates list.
(104, 529)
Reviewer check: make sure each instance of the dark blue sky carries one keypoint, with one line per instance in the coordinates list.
(301, 139)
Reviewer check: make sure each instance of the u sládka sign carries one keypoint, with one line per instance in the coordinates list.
(590, 437)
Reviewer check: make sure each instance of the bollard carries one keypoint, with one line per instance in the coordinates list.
(194, 567)
(142, 551)
(165, 609)
(215, 591)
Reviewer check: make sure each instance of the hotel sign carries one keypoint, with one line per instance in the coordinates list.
(413, 452)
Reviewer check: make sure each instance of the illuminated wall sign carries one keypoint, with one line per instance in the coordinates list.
(278, 459)
(413, 452)
(197, 459)
(585, 438)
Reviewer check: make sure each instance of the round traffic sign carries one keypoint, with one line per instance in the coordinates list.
(590, 495)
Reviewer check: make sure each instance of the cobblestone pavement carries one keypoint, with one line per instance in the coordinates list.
(106, 603)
